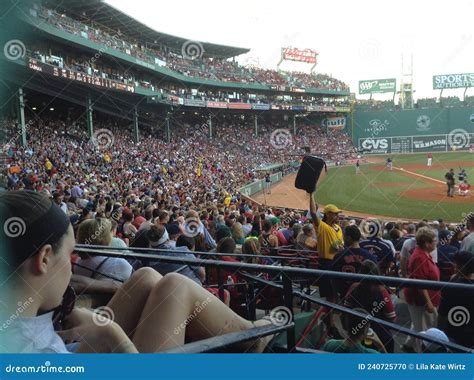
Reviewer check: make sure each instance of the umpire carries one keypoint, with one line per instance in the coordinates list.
(450, 182)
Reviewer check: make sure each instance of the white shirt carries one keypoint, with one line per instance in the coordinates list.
(32, 335)
(409, 246)
(113, 266)
(465, 242)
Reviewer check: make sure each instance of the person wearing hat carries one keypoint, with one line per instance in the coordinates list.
(329, 239)
(328, 232)
(456, 311)
(431, 347)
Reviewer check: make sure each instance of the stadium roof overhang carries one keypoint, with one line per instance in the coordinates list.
(98, 11)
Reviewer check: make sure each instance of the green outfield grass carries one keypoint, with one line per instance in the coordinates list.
(360, 192)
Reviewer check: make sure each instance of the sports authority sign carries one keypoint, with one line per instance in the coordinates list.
(377, 86)
(453, 81)
(300, 55)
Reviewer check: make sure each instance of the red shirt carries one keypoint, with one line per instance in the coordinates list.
(422, 267)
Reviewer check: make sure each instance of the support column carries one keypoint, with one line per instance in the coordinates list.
(21, 104)
(294, 124)
(167, 125)
(90, 120)
(210, 126)
(136, 135)
(256, 125)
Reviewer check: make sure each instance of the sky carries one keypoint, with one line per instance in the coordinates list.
(356, 40)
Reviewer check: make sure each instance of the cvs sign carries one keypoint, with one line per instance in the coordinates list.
(375, 145)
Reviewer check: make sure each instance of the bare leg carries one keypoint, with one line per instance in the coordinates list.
(178, 307)
(129, 301)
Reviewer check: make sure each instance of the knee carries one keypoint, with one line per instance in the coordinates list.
(173, 283)
(146, 277)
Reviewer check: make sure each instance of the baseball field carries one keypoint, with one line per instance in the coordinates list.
(412, 190)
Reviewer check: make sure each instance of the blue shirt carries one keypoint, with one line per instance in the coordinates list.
(184, 269)
(380, 248)
(350, 261)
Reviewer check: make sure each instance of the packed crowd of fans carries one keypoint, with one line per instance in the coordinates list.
(202, 67)
(83, 64)
(183, 197)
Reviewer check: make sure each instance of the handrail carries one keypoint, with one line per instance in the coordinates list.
(132, 249)
(288, 271)
(224, 341)
(343, 309)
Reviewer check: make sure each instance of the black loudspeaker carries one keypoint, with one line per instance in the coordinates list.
(309, 173)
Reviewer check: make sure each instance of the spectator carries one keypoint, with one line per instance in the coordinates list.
(351, 258)
(98, 232)
(422, 303)
(456, 299)
(375, 298)
(383, 249)
(356, 335)
(305, 240)
(470, 227)
(39, 269)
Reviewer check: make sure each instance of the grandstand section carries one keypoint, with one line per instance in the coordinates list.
(162, 171)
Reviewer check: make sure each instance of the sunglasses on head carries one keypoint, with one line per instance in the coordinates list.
(66, 307)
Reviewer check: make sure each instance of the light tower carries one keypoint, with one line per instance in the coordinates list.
(406, 85)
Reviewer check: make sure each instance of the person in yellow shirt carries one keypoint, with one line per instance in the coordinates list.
(227, 200)
(330, 240)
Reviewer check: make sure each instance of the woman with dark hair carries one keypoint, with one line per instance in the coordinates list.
(37, 244)
(375, 299)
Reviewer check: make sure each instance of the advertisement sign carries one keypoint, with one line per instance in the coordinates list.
(239, 106)
(334, 123)
(175, 99)
(261, 107)
(217, 104)
(375, 145)
(453, 81)
(377, 86)
(298, 108)
(343, 109)
(429, 143)
(194, 103)
(300, 55)
(36, 65)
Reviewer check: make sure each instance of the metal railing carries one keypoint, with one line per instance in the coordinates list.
(288, 275)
